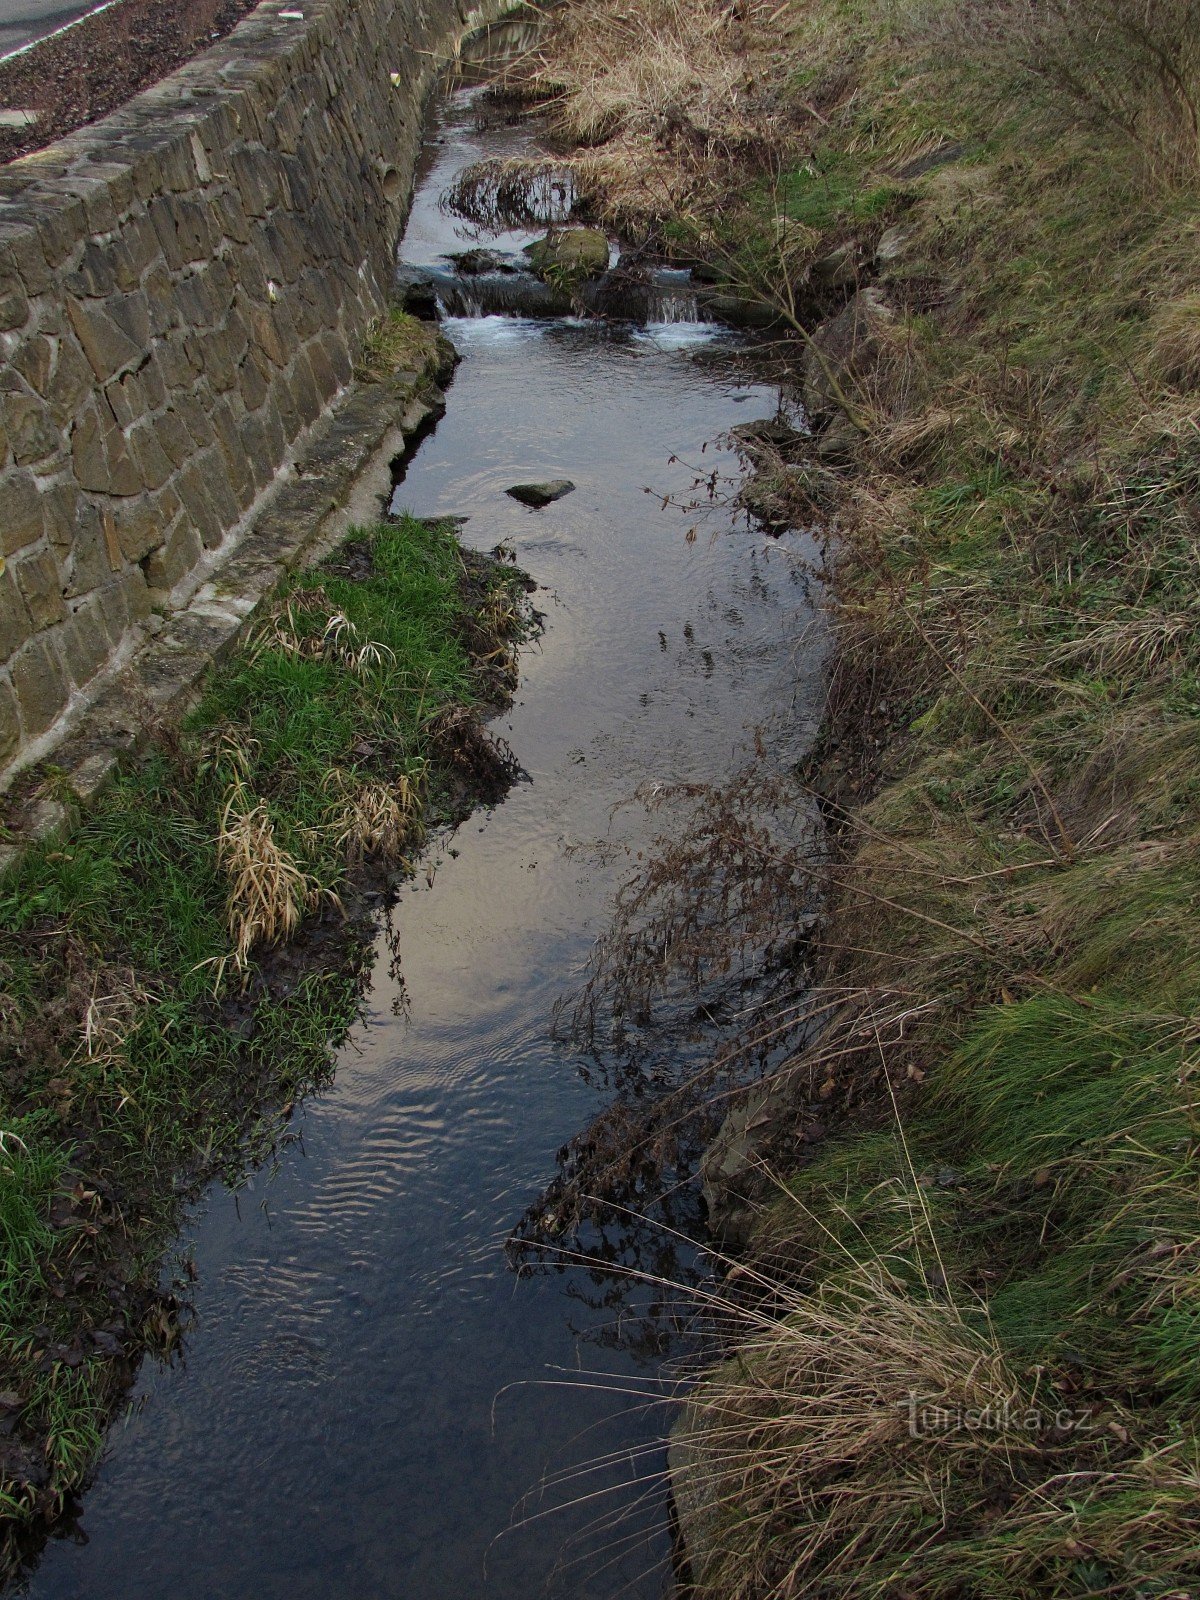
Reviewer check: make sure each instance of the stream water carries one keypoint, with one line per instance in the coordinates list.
(370, 1401)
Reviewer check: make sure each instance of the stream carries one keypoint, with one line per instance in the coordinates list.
(370, 1402)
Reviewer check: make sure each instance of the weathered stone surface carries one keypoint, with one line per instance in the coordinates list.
(34, 360)
(140, 527)
(14, 304)
(32, 435)
(21, 517)
(171, 563)
(41, 585)
(153, 462)
(10, 721)
(70, 384)
(101, 456)
(108, 347)
(21, 256)
(85, 642)
(16, 625)
(60, 512)
(41, 686)
(90, 560)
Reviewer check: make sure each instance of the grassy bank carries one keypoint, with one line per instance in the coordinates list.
(177, 971)
(969, 1362)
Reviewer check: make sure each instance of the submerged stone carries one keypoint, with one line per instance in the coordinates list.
(540, 494)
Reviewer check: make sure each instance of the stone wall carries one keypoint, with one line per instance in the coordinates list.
(183, 289)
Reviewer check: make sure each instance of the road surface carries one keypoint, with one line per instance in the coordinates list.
(22, 21)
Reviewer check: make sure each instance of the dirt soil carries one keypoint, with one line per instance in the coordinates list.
(96, 67)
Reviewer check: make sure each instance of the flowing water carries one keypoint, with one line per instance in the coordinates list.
(371, 1402)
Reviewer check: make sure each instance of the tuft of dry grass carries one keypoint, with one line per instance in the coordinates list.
(269, 892)
(658, 99)
(370, 818)
(393, 342)
(1175, 353)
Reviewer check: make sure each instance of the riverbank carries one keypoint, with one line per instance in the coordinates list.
(967, 1290)
(178, 968)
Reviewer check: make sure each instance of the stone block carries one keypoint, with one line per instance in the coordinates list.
(131, 314)
(22, 520)
(107, 346)
(117, 177)
(41, 585)
(32, 435)
(231, 218)
(126, 399)
(252, 381)
(21, 255)
(85, 643)
(127, 275)
(266, 334)
(10, 721)
(183, 232)
(60, 512)
(41, 685)
(16, 625)
(34, 360)
(193, 485)
(113, 607)
(70, 383)
(94, 277)
(264, 446)
(139, 528)
(217, 359)
(257, 180)
(140, 238)
(101, 456)
(174, 438)
(304, 390)
(14, 303)
(153, 462)
(61, 224)
(322, 371)
(89, 560)
(338, 356)
(194, 411)
(170, 564)
(241, 477)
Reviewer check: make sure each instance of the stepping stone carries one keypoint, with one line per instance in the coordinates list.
(540, 494)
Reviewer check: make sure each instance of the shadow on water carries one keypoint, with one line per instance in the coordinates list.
(370, 1401)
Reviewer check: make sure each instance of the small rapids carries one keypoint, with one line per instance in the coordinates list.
(369, 1401)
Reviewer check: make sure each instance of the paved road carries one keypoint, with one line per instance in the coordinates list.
(24, 20)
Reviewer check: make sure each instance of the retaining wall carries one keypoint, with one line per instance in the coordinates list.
(183, 289)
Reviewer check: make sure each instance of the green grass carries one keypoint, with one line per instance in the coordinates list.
(136, 1055)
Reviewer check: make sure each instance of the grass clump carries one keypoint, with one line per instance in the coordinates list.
(393, 342)
(154, 1019)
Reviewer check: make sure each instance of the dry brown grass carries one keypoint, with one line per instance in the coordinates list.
(269, 892)
(660, 98)
(370, 818)
(394, 342)
(1175, 352)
